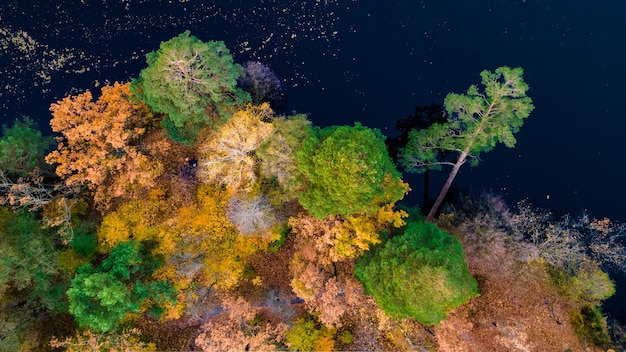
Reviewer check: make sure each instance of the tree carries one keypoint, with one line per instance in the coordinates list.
(421, 274)
(422, 118)
(200, 246)
(100, 297)
(239, 328)
(308, 335)
(251, 216)
(193, 83)
(100, 143)
(477, 121)
(30, 281)
(347, 171)
(261, 82)
(22, 147)
(227, 156)
(278, 155)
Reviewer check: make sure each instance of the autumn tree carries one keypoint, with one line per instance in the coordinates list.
(308, 335)
(261, 82)
(134, 220)
(347, 171)
(99, 143)
(421, 274)
(200, 245)
(22, 147)
(227, 156)
(477, 121)
(240, 327)
(322, 263)
(193, 83)
(251, 215)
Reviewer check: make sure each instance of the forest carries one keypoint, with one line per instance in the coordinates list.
(178, 211)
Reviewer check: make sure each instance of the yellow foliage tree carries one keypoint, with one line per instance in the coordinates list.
(99, 146)
(135, 220)
(227, 156)
(200, 245)
(337, 238)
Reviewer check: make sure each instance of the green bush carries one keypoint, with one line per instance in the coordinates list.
(588, 286)
(591, 325)
(421, 274)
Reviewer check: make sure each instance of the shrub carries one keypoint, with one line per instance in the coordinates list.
(308, 335)
(591, 325)
(421, 274)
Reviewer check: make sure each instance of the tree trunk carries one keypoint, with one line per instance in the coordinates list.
(426, 187)
(446, 186)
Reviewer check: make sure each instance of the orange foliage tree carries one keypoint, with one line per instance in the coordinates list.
(99, 144)
(322, 263)
(238, 329)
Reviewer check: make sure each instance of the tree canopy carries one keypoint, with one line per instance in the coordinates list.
(22, 147)
(421, 274)
(194, 83)
(100, 297)
(99, 143)
(227, 156)
(347, 171)
(477, 121)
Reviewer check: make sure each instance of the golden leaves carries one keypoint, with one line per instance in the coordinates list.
(226, 156)
(99, 144)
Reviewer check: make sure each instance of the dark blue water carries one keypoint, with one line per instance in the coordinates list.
(371, 61)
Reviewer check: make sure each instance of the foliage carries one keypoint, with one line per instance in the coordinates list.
(308, 335)
(134, 220)
(568, 242)
(83, 248)
(421, 274)
(30, 282)
(100, 297)
(22, 147)
(99, 146)
(251, 216)
(193, 83)
(278, 154)
(591, 325)
(227, 157)
(477, 121)
(27, 257)
(201, 246)
(239, 329)
(112, 341)
(347, 171)
(260, 82)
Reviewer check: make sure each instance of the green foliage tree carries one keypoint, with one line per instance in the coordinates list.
(278, 155)
(22, 147)
(421, 274)
(100, 297)
(193, 83)
(29, 277)
(477, 121)
(347, 171)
